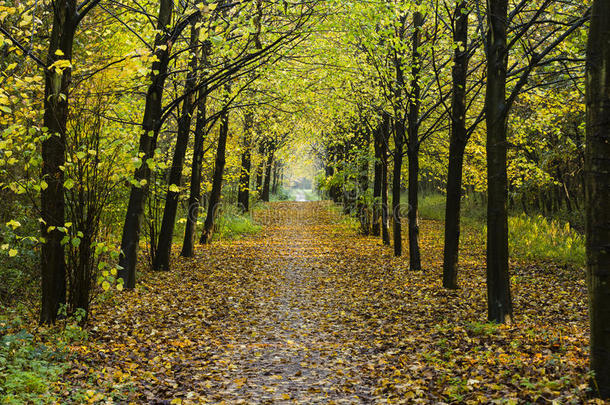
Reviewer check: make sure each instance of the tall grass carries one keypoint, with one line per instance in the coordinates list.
(532, 237)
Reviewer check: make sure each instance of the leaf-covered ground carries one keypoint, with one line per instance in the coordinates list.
(309, 312)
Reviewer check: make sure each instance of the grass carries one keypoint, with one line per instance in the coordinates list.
(232, 226)
(531, 237)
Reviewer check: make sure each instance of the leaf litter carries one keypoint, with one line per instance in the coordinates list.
(308, 311)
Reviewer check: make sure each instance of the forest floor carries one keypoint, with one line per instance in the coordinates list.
(308, 311)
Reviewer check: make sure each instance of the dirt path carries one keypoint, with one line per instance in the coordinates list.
(310, 312)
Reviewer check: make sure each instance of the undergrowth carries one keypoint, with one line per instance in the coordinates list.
(531, 237)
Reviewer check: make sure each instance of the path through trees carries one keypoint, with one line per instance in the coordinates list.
(309, 312)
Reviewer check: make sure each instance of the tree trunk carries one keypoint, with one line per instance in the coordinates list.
(243, 195)
(413, 145)
(166, 234)
(194, 203)
(385, 231)
(267, 180)
(377, 178)
(499, 302)
(219, 167)
(457, 146)
(363, 182)
(597, 174)
(399, 134)
(57, 86)
(150, 130)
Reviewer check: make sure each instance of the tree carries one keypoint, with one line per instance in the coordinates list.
(499, 301)
(66, 18)
(219, 167)
(457, 146)
(597, 194)
(166, 234)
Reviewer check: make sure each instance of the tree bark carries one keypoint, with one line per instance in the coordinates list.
(377, 178)
(499, 301)
(413, 145)
(150, 130)
(597, 174)
(243, 195)
(267, 180)
(457, 146)
(219, 167)
(385, 231)
(194, 203)
(399, 136)
(166, 234)
(57, 86)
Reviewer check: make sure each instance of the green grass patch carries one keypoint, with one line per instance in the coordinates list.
(531, 237)
(540, 238)
(233, 226)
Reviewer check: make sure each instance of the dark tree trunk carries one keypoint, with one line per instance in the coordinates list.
(413, 146)
(150, 130)
(57, 89)
(267, 180)
(363, 182)
(166, 234)
(399, 136)
(457, 146)
(377, 178)
(385, 231)
(276, 175)
(219, 167)
(194, 203)
(597, 174)
(499, 302)
(243, 195)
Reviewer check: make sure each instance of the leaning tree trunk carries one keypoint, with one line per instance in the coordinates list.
(243, 195)
(150, 130)
(413, 145)
(166, 234)
(219, 167)
(194, 202)
(457, 146)
(597, 174)
(57, 90)
(499, 302)
(267, 180)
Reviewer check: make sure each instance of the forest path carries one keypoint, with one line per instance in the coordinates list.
(310, 312)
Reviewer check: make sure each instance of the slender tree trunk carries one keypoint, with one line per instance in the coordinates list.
(399, 136)
(57, 89)
(276, 175)
(194, 203)
(267, 180)
(166, 234)
(413, 145)
(499, 300)
(385, 231)
(363, 182)
(219, 167)
(243, 195)
(457, 146)
(597, 195)
(150, 130)
(377, 178)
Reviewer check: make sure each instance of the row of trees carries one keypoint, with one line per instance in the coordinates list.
(186, 67)
(131, 93)
(504, 55)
